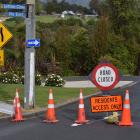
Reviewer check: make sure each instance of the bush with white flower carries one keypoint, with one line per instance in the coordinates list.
(54, 80)
(12, 78)
(51, 80)
(9, 78)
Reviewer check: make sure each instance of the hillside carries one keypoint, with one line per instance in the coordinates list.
(84, 3)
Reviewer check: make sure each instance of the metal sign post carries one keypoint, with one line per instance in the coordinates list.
(29, 82)
(28, 11)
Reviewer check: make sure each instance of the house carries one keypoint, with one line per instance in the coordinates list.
(67, 13)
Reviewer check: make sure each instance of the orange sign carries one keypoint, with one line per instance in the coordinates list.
(106, 103)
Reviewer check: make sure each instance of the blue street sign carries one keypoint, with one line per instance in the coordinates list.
(33, 43)
(14, 6)
(16, 14)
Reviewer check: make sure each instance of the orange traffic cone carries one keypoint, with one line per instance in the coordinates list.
(81, 112)
(17, 108)
(126, 114)
(50, 114)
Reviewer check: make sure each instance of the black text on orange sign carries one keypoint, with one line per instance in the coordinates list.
(106, 103)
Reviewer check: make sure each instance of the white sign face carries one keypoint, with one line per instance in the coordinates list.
(105, 76)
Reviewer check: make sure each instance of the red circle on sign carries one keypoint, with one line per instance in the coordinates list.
(115, 71)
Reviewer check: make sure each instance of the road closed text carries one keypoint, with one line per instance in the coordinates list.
(106, 103)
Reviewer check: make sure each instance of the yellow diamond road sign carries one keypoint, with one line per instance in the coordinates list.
(5, 35)
(1, 57)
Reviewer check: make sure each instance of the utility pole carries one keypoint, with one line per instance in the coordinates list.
(29, 71)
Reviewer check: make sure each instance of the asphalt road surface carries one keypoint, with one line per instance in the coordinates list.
(97, 129)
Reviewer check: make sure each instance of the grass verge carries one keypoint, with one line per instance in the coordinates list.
(61, 95)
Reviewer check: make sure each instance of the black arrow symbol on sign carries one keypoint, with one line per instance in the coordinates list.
(1, 33)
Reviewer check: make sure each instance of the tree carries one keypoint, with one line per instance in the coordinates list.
(38, 7)
(125, 21)
(123, 15)
(80, 51)
(99, 39)
(63, 52)
(100, 6)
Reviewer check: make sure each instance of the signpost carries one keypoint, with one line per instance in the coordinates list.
(28, 11)
(105, 76)
(5, 35)
(33, 43)
(29, 86)
(106, 103)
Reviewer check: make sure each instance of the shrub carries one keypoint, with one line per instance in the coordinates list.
(54, 80)
(9, 78)
(12, 78)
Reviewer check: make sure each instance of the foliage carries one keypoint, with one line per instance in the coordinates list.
(99, 6)
(13, 1)
(124, 16)
(54, 80)
(39, 7)
(16, 78)
(58, 7)
(38, 79)
(79, 46)
(9, 78)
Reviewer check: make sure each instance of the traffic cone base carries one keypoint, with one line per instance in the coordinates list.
(51, 121)
(125, 124)
(81, 122)
(17, 120)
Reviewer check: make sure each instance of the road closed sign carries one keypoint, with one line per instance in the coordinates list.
(105, 76)
(106, 103)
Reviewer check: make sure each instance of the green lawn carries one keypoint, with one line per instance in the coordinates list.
(7, 93)
(51, 18)
(46, 18)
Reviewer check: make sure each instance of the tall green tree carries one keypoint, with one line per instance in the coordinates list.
(80, 51)
(39, 7)
(99, 39)
(124, 18)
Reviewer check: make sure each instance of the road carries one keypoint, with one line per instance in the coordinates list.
(97, 129)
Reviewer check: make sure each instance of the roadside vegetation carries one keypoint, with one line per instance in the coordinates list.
(61, 95)
(74, 46)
